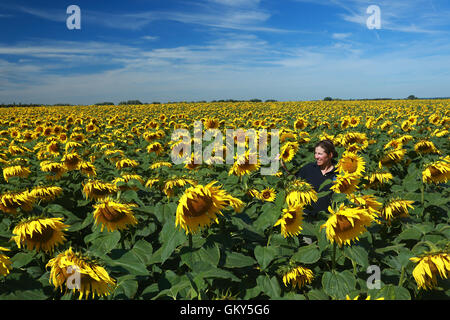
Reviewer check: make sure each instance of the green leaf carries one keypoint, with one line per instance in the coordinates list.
(390, 292)
(269, 286)
(21, 259)
(268, 217)
(358, 254)
(316, 294)
(127, 286)
(130, 262)
(143, 250)
(265, 255)
(307, 254)
(104, 242)
(238, 260)
(170, 238)
(409, 234)
(338, 284)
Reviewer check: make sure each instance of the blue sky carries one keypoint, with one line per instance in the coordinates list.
(169, 50)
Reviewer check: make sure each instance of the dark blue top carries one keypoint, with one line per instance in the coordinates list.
(312, 174)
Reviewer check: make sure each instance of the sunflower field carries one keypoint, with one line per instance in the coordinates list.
(93, 207)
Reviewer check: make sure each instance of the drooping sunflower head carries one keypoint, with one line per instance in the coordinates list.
(300, 192)
(346, 183)
(245, 164)
(113, 215)
(346, 224)
(5, 263)
(298, 277)
(368, 202)
(11, 201)
(394, 156)
(172, 184)
(88, 169)
(96, 189)
(46, 194)
(377, 179)
(38, 233)
(16, 171)
(126, 163)
(351, 163)
(155, 147)
(428, 267)
(79, 273)
(71, 161)
(437, 172)
(396, 208)
(425, 147)
(291, 221)
(200, 205)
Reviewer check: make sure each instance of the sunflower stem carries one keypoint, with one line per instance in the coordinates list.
(333, 257)
(400, 282)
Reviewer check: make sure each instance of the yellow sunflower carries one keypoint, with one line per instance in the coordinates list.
(90, 278)
(96, 189)
(113, 215)
(288, 151)
(268, 194)
(392, 157)
(46, 194)
(5, 263)
(347, 183)
(126, 163)
(346, 224)
(15, 171)
(437, 172)
(88, 169)
(351, 163)
(291, 221)
(155, 147)
(199, 206)
(367, 202)
(40, 233)
(71, 161)
(376, 179)
(425, 147)
(428, 267)
(300, 192)
(244, 164)
(396, 208)
(298, 277)
(11, 201)
(172, 184)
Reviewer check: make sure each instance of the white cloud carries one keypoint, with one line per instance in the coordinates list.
(340, 36)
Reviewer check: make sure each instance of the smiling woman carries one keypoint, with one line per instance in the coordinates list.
(316, 173)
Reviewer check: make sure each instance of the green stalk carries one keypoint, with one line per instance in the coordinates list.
(333, 257)
(400, 282)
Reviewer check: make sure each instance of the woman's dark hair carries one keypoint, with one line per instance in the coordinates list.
(328, 146)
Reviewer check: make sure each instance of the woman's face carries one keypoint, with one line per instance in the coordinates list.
(321, 156)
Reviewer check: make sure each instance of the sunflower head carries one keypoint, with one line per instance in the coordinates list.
(351, 163)
(300, 192)
(396, 208)
(200, 205)
(291, 221)
(113, 215)
(79, 273)
(40, 233)
(345, 224)
(437, 172)
(298, 276)
(346, 183)
(428, 267)
(5, 263)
